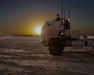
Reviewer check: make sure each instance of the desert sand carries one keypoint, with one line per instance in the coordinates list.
(25, 55)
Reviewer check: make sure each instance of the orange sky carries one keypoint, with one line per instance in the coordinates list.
(20, 17)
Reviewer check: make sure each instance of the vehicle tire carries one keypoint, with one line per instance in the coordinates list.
(56, 49)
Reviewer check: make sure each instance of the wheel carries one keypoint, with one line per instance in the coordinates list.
(56, 48)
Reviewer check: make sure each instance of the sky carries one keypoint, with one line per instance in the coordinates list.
(19, 17)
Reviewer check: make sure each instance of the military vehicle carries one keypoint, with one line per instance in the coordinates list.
(57, 34)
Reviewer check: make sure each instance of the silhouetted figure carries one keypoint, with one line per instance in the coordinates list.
(85, 37)
(66, 24)
(58, 18)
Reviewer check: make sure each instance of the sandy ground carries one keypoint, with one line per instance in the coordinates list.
(21, 55)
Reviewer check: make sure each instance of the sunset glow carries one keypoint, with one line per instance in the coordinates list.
(37, 30)
(25, 17)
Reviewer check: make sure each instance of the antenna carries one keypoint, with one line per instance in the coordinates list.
(64, 13)
(69, 14)
(62, 9)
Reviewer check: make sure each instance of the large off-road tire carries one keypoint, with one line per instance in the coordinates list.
(56, 49)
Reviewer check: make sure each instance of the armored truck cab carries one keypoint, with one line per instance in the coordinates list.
(56, 35)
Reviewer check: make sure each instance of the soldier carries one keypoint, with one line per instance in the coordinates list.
(58, 18)
(85, 41)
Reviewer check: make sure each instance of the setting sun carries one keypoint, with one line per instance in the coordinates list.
(37, 30)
